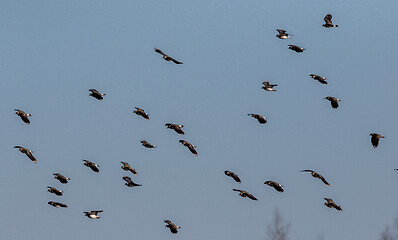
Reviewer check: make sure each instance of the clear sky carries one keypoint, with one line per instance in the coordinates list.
(52, 52)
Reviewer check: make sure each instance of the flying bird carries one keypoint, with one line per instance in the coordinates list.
(91, 165)
(130, 183)
(333, 101)
(259, 118)
(175, 127)
(147, 144)
(331, 204)
(24, 116)
(57, 204)
(190, 146)
(269, 87)
(173, 228)
(141, 112)
(126, 167)
(93, 214)
(275, 185)
(317, 175)
(328, 21)
(296, 48)
(55, 191)
(27, 152)
(245, 194)
(282, 34)
(319, 78)
(375, 139)
(166, 57)
(61, 178)
(94, 93)
(232, 175)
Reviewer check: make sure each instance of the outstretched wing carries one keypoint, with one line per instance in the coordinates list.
(328, 19)
(192, 149)
(281, 31)
(175, 61)
(127, 179)
(30, 156)
(159, 51)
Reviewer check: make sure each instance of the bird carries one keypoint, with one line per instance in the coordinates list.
(24, 116)
(129, 182)
(259, 118)
(55, 191)
(282, 34)
(317, 175)
(27, 152)
(147, 144)
(269, 87)
(296, 48)
(375, 139)
(141, 112)
(94, 93)
(333, 101)
(331, 204)
(233, 175)
(190, 146)
(57, 204)
(275, 185)
(328, 21)
(166, 57)
(175, 127)
(93, 214)
(61, 178)
(319, 78)
(173, 228)
(126, 167)
(91, 165)
(245, 194)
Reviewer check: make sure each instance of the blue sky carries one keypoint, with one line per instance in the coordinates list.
(52, 52)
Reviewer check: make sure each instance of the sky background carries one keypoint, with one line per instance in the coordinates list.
(52, 52)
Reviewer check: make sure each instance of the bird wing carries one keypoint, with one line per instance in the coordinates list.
(175, 61)
(30, 156)
(235, 177)
(328, 19)
(237, 190)
(159, 51)
(375, 140)
(306, 170)
(127, 179)
(281, 31)
(334, 103)
(324, 180)
(24, 118)
(251, 197)
(192, 149)
(178, 130)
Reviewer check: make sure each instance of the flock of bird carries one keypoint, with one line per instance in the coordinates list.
(178, 129)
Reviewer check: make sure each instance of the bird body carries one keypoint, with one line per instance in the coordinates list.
(141, 112)
(61, 178)
(55, 191)
(375, 137)
(331, 204)
(190, 146)
(282, 34)
(269, 87)
(233, 175)
(260, 119)
(317, 175)
(173, 228)
(91, 165)
(147, 144)
(24, 116)
(278, 187)
(333, 101)
(167, 57)
(245, 194)
(94, 93)
(318, 78)
(93, 214)
(296, 48)
(126, 167)
(175, 127)
(57, 204)
(27, 152)
(130, 183)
